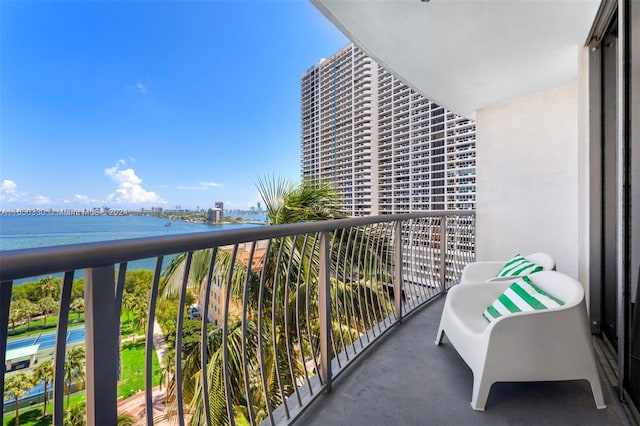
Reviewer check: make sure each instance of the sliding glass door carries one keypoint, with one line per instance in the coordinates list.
(615, 172)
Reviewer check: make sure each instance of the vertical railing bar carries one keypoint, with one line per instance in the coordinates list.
(431, 255)
(148, 347)
(397, 273)
(122, 275)
(451, 248)
(415, 262)
(5, 304)
(436, 280)
(324, 310)
(274, 330)
(337, 292)
(417, 254)
(389, 266)
(225, 336)
(101, 344)
(373, 274)
(263, 374)
(377, 272)
(443, 253)
(457, 244)
(299, 312)
(61, 347)
(368, 296)
(425, 255)
(292, 374)
(361, 287)
(350, 285)
(308, 309)
(245, 357)
(204, 337)
(178, 347)
(334, 341)
(365, 324)
(447, 251)
(411, 272)
(378, 276)
(424, 251)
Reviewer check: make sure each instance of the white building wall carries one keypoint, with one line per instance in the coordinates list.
(527, 178)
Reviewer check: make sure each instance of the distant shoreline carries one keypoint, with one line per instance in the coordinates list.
(185, 216)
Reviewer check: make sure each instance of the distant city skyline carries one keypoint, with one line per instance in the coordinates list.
(139, 104)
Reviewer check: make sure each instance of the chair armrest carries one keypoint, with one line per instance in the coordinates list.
(480, 271)
(469, 301)
(509, 278)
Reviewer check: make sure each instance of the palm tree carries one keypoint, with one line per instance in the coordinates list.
(77, 306)
(47, 305)
(15, 387)
(43, 373)
(139, 309)
(287, 260)
(22, 310)
(74, 370)
(128, 301)
(126, 419)
(75, 416)
(50, 287)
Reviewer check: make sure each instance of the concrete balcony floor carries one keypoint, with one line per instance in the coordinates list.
(408, 380)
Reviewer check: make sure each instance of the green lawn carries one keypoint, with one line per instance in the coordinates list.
(31, 416)
(38, 326)
(133, 361)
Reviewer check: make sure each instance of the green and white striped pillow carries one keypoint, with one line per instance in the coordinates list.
(521, 296)
(519, 266)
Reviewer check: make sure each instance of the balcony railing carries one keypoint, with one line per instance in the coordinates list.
(298, 303)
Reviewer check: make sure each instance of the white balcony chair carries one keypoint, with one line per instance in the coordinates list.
(545, 345)
(488, 271)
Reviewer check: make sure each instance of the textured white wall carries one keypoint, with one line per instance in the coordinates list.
(527, 178)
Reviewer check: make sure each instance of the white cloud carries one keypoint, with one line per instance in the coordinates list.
(9, 191)
(41, 200)
(191, 188)
(84, 199)
(212, 184)
(141, 88)
(129, 186)
(200, 187)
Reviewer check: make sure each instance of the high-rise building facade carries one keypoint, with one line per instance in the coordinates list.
(386, 148)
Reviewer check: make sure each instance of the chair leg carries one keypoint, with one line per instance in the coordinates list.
(596, 389)
(439, 336)
(481, 388)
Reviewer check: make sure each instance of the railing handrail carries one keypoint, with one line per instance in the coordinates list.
(24, 263)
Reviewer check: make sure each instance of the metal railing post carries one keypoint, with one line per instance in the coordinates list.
(397, 273)
(5, 302)
(324, 308)
(443, 253)
(101, 331)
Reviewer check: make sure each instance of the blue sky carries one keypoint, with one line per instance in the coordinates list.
(136, 104)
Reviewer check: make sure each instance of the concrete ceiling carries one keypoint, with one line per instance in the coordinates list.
(469, 54)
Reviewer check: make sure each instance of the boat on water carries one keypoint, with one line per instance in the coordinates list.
(167, 224)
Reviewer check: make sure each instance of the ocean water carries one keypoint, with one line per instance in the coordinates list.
(19, 232)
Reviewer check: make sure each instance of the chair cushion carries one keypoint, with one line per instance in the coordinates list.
(521, 296)
(519, 266)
